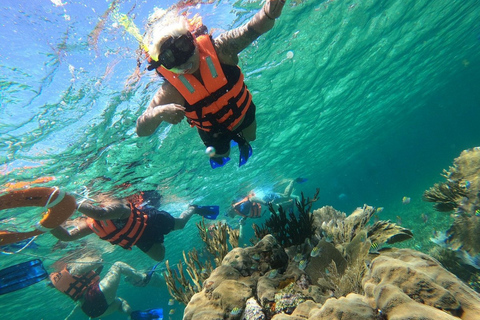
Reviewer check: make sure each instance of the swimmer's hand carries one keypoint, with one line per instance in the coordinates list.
(273, 8)
(172, 113)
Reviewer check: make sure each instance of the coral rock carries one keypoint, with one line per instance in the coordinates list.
(253, 311)
(305, 309)
(316, 268)
(351, 307)
(405, 282)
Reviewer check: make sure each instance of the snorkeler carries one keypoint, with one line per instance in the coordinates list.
(127, 224)
(251, 206)
(204, 83)
(98, 297)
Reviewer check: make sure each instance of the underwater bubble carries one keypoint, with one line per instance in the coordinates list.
(289, 54)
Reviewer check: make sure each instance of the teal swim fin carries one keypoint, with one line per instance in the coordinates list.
(151, 314)
(208, 212)
(21, 275)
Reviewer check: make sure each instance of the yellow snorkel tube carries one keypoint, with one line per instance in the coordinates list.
(131, 28)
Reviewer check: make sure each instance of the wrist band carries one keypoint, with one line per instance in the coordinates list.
(264, 11)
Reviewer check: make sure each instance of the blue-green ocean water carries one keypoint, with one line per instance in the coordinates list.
(378, 98)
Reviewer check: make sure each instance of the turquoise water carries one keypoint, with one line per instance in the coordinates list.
(377, 99)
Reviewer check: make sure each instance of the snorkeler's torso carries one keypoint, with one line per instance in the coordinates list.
(73, 285)
(219, 98)
(123, 232)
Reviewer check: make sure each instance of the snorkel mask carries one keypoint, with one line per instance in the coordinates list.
(175, 51)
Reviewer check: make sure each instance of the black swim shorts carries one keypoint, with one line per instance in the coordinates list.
(94, 304)
(221, 141)
(159, 223)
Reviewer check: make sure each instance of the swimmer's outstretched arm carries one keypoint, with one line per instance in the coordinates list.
(166, 105)
(81, 230)
(118, 210)
(229, 44)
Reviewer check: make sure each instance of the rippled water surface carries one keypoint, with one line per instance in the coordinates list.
(368, 100)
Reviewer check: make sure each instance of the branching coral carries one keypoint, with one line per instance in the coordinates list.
(461, 190)
(290, 230)
(185, 290)
(342, 230)
(216, 241)
(216, 238)
(387, 232)
(445, 195)
(344, 247)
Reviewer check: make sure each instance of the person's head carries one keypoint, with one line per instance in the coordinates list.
(174, 46)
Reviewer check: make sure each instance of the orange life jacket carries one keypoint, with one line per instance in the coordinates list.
(254, 208)
(73, 286)
(223, 98)
(128, 235)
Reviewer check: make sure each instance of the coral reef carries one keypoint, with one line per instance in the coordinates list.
(197, 271)
(406, 282)
(216, 238)
(397, 284)
(461, 190)
(461, 193)
(332, 275)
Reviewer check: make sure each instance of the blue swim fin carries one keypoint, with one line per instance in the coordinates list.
(301, 180)
(21, 275)
(217, 162)
(245, 153)
(208, 212)
(151, 314)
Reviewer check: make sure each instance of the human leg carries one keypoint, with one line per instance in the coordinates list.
(250, 132)
(184, 217)
(120, 305)
(289, 189)
(218, 140)
(156, 252)
(109, 284)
